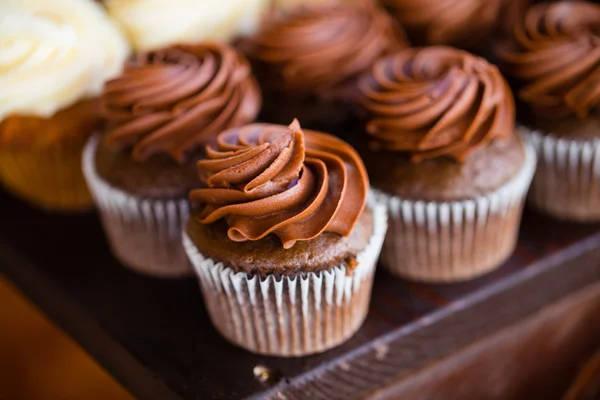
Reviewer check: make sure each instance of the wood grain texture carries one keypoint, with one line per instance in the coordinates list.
(154, 335)
(587, 383)
(535, 358)
(39, 362)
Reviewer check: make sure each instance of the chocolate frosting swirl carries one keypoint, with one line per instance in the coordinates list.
(555, 54)
(436, 101)
(444, 22)
(270, 179)
(178, 98)
(314, 48)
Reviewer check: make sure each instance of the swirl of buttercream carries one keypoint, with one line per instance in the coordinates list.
(555, 56)
(179, 98)
(271, 179)
(316, 47)
(436, 101)
(445, 22)
(152, 24)
(55, 53)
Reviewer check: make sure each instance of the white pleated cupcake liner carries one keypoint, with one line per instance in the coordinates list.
(290, 316)
(143, 234)
(442, 242)
(566, 184)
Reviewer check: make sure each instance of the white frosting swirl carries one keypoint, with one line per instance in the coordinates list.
(54, 53)
(289, 5)
(152, 24)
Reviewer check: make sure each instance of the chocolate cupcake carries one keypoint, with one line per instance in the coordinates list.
(307, 61)
(54, 59)
(554, 56)
(445, 158)
(282, 243)
(160, 111)
(466, 24)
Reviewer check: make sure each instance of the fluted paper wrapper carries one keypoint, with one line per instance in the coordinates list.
(442, 242)
(143, 234)
(566, 184)
(290, 316)
(48, 177)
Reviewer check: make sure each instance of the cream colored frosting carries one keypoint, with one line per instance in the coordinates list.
(287, 5)
(54, 53)
(156, 23)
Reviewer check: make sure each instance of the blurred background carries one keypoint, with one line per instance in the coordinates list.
(40, 362)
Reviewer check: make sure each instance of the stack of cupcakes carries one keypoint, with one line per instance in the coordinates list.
(554, 58)
(54, 59)
(279, 222)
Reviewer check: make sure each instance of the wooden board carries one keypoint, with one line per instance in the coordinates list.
(155, 337)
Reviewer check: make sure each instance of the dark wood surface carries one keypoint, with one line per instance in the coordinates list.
(536, 358)
(155, 337)
(586, 384)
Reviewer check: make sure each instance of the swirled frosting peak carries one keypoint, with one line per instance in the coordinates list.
(436, 101)
(316, 47)
(555, 54)
(271, 179)
(445, 22)
(176, 99)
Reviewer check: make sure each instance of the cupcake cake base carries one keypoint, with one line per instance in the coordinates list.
(449, 241)
(293, 314)
(40, 158)
(144, 234)
(48, 178)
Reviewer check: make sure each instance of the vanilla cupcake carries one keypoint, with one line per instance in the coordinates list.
(160, 112)
(54, 59)
(281, 240)
(554, 59)
(446, 159)
(308, 61)
(152, 24)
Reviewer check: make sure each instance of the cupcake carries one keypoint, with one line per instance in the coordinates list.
(160, 23)
(444, 156)
(164, 107)
(54, 58)
(307, 61)
(554, 57)
(462, 23)
(281, 240)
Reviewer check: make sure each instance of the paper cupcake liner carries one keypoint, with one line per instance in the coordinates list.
(290, 316)
(566, 184)
(48, 177)
(442, 242)
(143, 234)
